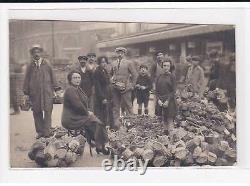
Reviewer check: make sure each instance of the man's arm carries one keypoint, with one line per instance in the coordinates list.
(133, 73)
(26, 90)
(150, 84)
(201, 82)
(152, 72)
(172, 94)
(53, 78)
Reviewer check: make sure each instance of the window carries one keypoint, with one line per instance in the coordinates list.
(214, 45)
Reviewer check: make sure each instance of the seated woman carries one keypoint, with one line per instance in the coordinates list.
(76, 115)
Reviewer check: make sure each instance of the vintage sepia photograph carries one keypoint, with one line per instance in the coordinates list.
(126, 94)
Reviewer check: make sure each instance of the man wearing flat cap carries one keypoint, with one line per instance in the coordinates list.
(123, 80)
(155, 71)
(156, 68)
(195, 76)
(87, 81)
(40, 85)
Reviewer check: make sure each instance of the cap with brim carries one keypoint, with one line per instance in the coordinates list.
(91, 54)
(196, 58)
(167, 59)
(143, 66)
(34, 47)
(121, 49)
(82, 58)
(213, 53)
(188, 58)
(159, 52)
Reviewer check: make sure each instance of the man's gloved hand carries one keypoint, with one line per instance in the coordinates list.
(90, 113)
(129, 87)
(165, 104)
(26, 97)
(160, 103)
(58, 93)
(105, 101)
(137, 86)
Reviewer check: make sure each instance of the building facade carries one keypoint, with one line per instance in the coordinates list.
(177, 40)
(62, 40)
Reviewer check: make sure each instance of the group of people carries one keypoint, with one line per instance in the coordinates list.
(97, 95)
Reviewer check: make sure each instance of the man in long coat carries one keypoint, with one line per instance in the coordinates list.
(195, 76)
(39, 85)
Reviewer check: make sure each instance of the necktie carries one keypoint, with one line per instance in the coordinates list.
(119, 63)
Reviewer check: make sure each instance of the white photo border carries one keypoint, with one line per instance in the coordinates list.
(139, 12)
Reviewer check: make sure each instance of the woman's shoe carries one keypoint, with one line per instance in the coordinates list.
(104, 151)
(97, 151)
(38, 136)
(166, 132)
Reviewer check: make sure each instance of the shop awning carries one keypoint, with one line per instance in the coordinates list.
(167, 34)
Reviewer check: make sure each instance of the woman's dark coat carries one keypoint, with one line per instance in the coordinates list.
(76, 116)
(102, 92)
(165, 91)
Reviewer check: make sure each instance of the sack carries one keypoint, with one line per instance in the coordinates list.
(26, 104)
(120, 86)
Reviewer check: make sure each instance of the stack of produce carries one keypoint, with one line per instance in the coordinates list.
(202, 136)
(60, 150)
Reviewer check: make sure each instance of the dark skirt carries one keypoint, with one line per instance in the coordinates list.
(104, 112)
(167, 113)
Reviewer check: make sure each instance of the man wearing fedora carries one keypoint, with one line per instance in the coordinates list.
(40, 85)
(123, 80)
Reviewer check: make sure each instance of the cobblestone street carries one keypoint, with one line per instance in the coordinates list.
(22, 136)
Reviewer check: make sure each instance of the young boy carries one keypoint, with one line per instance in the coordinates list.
(143, 86)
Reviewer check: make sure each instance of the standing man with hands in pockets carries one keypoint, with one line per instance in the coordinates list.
(39, 85)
